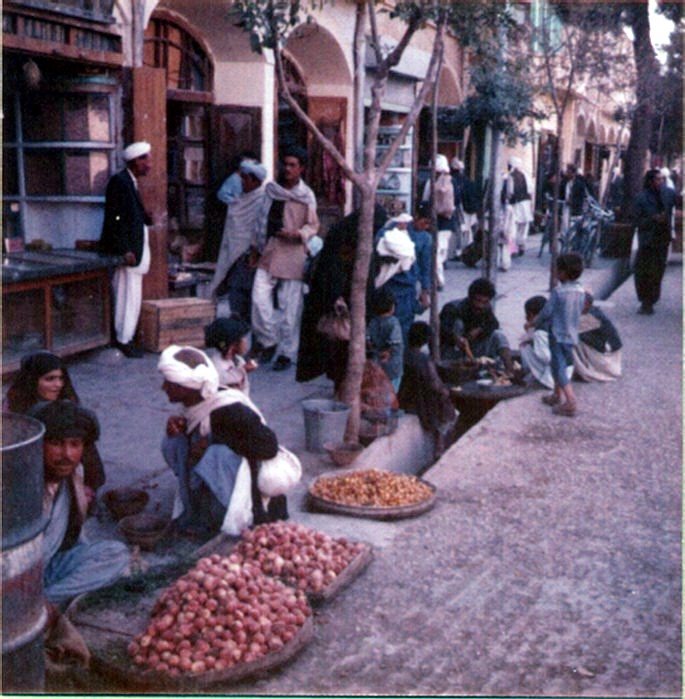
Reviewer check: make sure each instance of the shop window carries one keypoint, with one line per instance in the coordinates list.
(57, 146)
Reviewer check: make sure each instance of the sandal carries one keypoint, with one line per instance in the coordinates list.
(565, 410)
(551, 399)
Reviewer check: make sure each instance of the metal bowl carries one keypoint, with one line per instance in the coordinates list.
(122, 502)
(144, 530)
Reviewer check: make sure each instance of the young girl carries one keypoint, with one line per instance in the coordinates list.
(226, 341)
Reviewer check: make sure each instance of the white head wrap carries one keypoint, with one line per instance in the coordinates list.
(402, 218)
(252, 167)
(441, 164)
(665, 172)
(457, 164)
(203, 378)
(515, 162)
(135, 150)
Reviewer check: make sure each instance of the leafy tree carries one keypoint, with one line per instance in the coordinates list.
(573, 48)
(269, 23)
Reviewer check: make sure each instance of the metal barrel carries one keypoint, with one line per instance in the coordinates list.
(21, 562)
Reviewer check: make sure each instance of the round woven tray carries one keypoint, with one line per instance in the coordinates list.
(131, 676)
(353, 569)
(320, 504)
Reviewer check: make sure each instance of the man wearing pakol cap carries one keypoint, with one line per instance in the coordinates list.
(125, 233)
(288, 222)
(236, 266)
(215, 448)
(71, 565)
(410, 281)
(518, 211)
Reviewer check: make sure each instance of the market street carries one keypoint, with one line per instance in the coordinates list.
(551, 562)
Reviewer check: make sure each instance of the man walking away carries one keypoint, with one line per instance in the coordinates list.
(125, 233)
(653, 208)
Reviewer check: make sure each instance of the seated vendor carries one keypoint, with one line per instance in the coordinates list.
(71, 565)
(214, 448)
(597, 356)
(469, 327)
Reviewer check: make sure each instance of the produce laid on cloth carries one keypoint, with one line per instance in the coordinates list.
(304, 558)
(221, 614)
(373, 493)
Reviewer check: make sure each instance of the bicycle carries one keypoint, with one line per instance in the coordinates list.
(583, 235)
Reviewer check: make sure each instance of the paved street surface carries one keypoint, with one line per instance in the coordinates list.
(551, 564)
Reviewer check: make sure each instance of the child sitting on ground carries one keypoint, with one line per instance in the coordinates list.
(422, 391)
(561, 314)
(384, 336)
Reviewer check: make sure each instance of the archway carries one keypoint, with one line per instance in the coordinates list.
(171, 43)
(324, 90)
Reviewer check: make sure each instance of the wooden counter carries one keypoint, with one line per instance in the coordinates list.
(56, 300)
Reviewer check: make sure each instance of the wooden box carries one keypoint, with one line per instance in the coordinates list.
(177, 321)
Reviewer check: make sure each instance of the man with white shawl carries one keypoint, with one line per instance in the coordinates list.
(234, 268)
(214, 448)
(287, 223)
(518, 211)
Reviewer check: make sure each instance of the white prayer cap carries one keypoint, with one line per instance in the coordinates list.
(665, 172)
(515, 162)
(457, 164)
(252, 167)
(135, 150)
(402, 218)
(204, 377)
(441, 164)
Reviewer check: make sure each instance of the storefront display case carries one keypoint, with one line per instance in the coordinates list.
(395, 188)
(55, 300)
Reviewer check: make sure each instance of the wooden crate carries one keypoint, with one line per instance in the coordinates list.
(178, 321)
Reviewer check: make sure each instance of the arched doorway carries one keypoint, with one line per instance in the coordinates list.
(170, 44)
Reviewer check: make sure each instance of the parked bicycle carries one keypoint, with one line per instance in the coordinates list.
(584, 233)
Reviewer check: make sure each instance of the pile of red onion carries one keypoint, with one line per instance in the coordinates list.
(301, 557)
(222, 613)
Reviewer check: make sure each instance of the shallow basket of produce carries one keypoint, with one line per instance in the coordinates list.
(221, 622)
(373, 494)
(311, 561)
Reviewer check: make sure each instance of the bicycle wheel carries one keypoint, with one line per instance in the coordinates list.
(590, 246)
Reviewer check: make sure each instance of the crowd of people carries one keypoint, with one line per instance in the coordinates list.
(282, 280)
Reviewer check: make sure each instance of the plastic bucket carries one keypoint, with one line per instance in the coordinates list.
(324, 421)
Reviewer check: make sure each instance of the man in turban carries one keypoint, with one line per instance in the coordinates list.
(236, 265)
(215, 447)
(518, 211)
(125, 233)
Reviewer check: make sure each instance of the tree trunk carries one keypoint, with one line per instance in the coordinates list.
(493, 208)
(647, 71)
(434, 321)
(351, 388)
(554, 243)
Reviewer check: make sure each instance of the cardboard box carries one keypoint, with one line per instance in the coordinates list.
(177, 321)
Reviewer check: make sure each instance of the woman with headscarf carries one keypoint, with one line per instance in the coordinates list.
(215, 448)
(43, 376)
(330, 280)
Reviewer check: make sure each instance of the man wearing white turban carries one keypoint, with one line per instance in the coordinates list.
(214, 448)
(125, 233)
(235, 267)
